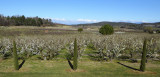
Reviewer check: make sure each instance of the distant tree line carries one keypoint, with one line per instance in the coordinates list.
(22, 20)
(133, 26)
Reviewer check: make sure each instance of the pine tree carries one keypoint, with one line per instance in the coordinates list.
(15, 56)
(143, 59)
(75, 61)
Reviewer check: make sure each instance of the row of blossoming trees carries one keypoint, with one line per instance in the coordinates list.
(112, 46)
(75, 56)
(117, 46)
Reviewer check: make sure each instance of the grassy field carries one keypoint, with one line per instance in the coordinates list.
(59, 30)
(86, 68)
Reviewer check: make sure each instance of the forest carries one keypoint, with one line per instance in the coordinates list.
(21, 20)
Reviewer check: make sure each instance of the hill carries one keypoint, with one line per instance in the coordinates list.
(123, 24)
(105, 22)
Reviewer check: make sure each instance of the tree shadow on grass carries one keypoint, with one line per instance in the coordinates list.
(20, 66)
(128, 66)
(70, 64)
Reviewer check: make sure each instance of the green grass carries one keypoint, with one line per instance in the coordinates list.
(87, 68)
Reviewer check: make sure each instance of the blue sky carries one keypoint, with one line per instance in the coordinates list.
(85, 11)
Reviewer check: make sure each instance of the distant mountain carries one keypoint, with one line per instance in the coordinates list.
(120, 24)
(111, 23)
(124, 24)
(156, 23)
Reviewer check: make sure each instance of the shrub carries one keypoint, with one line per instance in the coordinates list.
(80, 30)
(15, 56)
(143, 59)
(75, 55)
(106, 30)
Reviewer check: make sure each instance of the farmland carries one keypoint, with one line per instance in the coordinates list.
(46, 49)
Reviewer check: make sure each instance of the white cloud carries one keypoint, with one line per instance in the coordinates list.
(86, 20)
(77, 21)
(134, 21)
(59, 19)
(83, 21)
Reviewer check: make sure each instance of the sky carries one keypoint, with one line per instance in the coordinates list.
(85, 11)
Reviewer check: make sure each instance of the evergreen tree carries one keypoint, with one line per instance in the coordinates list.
(40, 22)
(15, 56)
(22, 20)
(75, 61)
(143, 59)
